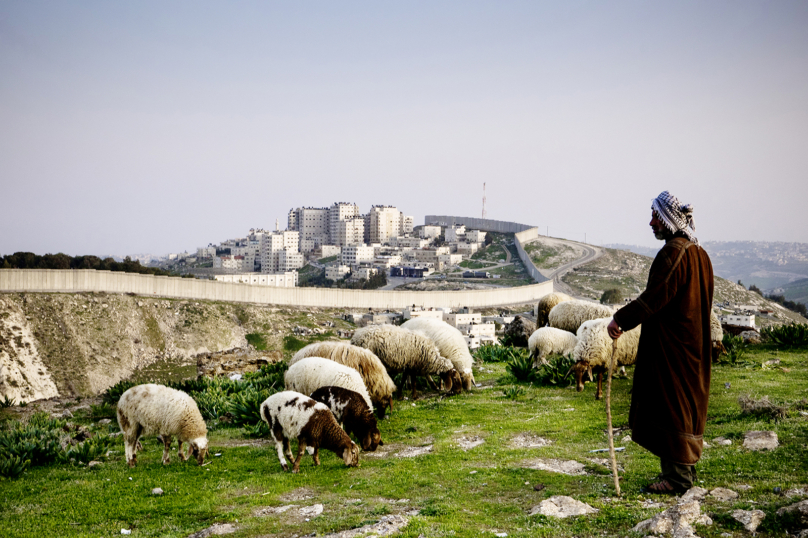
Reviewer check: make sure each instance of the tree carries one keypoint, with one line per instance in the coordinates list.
(611, 296)
(755, 289)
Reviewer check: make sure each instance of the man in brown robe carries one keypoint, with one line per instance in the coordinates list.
(672, 374)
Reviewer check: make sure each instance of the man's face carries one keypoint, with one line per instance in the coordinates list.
(660, 232)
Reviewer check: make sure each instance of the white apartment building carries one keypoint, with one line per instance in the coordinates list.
(278, 280)
(338, 212)
(382, 224)
(336, 272)
(419, 312)
(353, 255)
(738, 320)
(458, 319)
(467, 249)
(206, 252)
(429, 255)
(478, 329)
(312, 224)
(450, 259)
(407, 223)
(363, 273)
(408, 242)
(350, 231)
(455, 233)
(230, 263)
(387, 261)
(272, 247)
(289, 260)
(251, 253)
(330, 250)
(429, 232)
(475, 236)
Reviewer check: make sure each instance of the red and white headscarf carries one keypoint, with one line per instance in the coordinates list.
(675, 216)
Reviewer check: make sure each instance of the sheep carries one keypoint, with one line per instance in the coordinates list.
(549, 340)
(546, 304)
(716, 337)
(378, 382)
(569, 315)
(309, 374)
(291, 414)
(401, 350)
(450, 342)
(593, 352)
(350, 410)
(157, 409)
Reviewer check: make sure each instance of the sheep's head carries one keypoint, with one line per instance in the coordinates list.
(351, 455)
(199, 448)
(468, 379)
(371, 440)
(450, 379)
(718, 350)
(579, 370)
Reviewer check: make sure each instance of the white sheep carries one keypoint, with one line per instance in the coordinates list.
(548, 341)
(403, 351)
(716, 336)
(291, 414)
(569, 315)
(593, 352)
(157, 409)
(546, 304)
(378, 382)
(450, 342)
(309, 374)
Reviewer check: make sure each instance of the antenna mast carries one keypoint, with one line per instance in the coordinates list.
(483, 199)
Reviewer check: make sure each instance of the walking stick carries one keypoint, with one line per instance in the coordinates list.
(609, 418)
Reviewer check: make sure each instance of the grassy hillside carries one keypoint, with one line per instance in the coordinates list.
(476, 474)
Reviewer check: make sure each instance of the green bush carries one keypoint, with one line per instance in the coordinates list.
(556, 372)
(611, 296)
(494, 353)
(114, 393)
(257, 341)
(104, 410)
(787, 335)
(735, 349)
(520, 364)
(94, 448)
(6, 402)
(12, 466)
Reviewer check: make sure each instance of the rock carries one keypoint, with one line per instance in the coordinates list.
(744, 487)
(801, 508)
(723, 495)
(750, 337)
(104, 422)
(519, 330)
(311, 511)
(270, 510)
(157, 491)
(215, 530)
(676, 521)
(797, 492)
(413, 451)
(561, 506)
(722, 441)
(750, 519)
(386, 526)
(93, 464)
(529, 440)
(693, 494)
(66, 414)
(760, 440)
(467, 443)
(568, 467)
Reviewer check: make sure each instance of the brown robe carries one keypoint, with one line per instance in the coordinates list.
(672, 376)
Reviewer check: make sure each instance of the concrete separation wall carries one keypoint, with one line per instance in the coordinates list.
(88, 280)
(522, 234)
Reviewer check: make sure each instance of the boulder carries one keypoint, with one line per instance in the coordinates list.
(800, 508)
(678, 520)
(750, 337)
(723, 495)
(760, 440)
(750, 519)
(561, 506)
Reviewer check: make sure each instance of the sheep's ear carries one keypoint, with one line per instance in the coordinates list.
(589, 373)
(381, 443)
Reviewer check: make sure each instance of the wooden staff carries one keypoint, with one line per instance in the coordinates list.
(609, 418)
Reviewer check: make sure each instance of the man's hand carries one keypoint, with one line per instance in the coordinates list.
(614, 330)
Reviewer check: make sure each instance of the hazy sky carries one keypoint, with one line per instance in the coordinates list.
(131, 127)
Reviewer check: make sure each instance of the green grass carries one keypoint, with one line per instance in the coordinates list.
(328, 259)
(72, 500)
(468, 264)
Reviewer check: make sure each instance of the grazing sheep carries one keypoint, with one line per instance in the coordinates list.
(378, 382)
(401, 350)
(156, 409)
(309, 374)
(546, 304)
(350, 410)
(594, 351)
(716, 336)
(450, 342)
(569, 315)
(291, 414)
(549, 340)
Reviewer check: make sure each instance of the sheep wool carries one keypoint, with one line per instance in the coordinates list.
(379, 384)
(290, 414)
(350, 410)
(593, 352)
(548, 341)
(546, 304)
(450, 342)
(716, 337)
(309, 374)
(569, 315)
(159, 410)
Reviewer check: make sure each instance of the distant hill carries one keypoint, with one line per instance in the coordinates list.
(628, 272)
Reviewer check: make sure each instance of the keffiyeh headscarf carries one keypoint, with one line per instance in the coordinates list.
(675, 216)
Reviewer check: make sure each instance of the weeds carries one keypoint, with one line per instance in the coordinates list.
(787, 335)
(257, 341)
(735, 350)
(761, 408)
(514, 392)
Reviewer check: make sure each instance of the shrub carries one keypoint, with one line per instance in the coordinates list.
(520, 365)
(245, 407)
(94, 448)
(12, 466)
(556, 372)
(513, 393)
(735, 349)
(104, 410)
(611, 296)
(492, 353)
(788, 335)
(6, 402)
(257, 341)
(114, 393)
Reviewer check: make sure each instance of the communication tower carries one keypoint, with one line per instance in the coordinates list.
(483, 199)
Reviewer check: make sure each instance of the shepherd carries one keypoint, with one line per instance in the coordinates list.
(672, 375)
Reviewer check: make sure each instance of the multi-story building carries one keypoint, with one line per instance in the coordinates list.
(206, 252)
(289, 260)
(353, 255)
(478, 329)
(455, 233)
(350, 231)
(273, 244)
(467, 249)
(429, 255)
(419, 312)
(363, 272)
(382, 223)
(407, 222)
(429, 232)
(338, 212)
(457, 319)
(386, 261)
(450, 259)
(336, 272)
(279, 280)
(230, 263)
(475, 236)
(312, 224)
(411, 242)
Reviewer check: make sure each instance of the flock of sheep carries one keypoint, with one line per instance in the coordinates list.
(332, 387)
